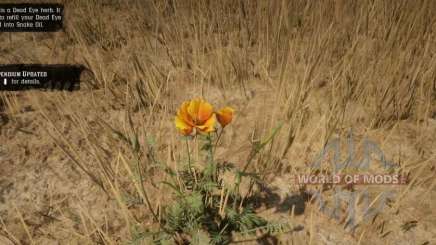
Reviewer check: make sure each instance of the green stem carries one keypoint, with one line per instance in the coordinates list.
(211, 151)
(144, 192)
(189, 157)
(250, 158)
(218, 138)
(211, 158)
(235, 200)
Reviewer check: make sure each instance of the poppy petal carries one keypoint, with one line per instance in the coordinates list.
(208, 126)
(184, 115)
(182, 126)
(225, 116)
(205, 111)
(193, 108)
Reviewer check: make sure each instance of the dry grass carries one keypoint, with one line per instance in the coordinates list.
(79, 168)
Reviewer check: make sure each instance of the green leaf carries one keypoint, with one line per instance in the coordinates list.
(264, 142)
(226, 166)
(206, 147)
(172, 186)
(195, 202)
(186, 137)
(253, 176)
(200, 237)
(151, 141)
(119, 135)
(208, 186)
(135, 143)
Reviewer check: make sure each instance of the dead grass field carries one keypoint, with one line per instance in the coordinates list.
(318, 68)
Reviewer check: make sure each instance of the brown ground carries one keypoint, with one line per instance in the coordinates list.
(320, 68)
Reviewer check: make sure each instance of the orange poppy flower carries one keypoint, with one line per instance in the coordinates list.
(195, 115)
(225, 116)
